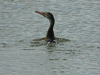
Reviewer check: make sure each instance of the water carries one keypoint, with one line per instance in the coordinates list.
(77, 28)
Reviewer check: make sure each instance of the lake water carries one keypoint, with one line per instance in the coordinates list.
(77, 26)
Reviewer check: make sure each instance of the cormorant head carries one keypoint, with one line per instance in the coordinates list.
(47, 15)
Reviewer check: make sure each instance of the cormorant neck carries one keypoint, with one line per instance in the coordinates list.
(50, 34)
(52, 21)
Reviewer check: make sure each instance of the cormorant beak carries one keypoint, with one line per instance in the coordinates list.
(42, 13)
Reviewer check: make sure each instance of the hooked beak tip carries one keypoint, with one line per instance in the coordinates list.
(42, 13)
(36, 11)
